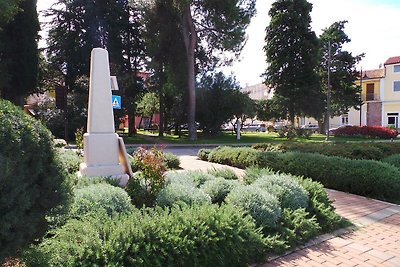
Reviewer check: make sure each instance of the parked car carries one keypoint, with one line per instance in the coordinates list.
(254, 128)
(312, 127)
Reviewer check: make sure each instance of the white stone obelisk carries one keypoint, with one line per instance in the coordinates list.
(101, 143)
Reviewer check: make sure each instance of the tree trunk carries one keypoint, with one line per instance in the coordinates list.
(131, 124)
(161, 124)
(190, 38)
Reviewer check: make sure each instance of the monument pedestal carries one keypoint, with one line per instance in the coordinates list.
(101, 156)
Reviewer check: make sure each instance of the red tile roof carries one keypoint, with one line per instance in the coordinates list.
(392, 60)
(373, 74)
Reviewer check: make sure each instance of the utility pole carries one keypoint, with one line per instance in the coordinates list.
(361, 80)
(328, 110)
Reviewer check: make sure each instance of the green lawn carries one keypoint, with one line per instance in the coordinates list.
(145, 137)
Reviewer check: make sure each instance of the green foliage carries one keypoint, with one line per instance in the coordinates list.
(224, 173)
(203, 153)
(79, 137)
(393, 160)
(298, 227)
(171, 161)
(219, 188)
(185, 236)
(8, 10)
(261, 205)
(359, 150)
(19, 67)
(70, 159)
(216, 98)
(320, 206)
(93, 198)
(148, 105)
(240, 157)
(363, 177)
(292, 57)
(32, 178)
(344, 93)
(253, 173)
(176, 193)
(285, 188)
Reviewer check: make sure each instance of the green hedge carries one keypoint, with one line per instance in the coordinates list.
(393, 160)
(186, 236)
(359, 150)
(363, 177)
(240, 157)
(33, 182)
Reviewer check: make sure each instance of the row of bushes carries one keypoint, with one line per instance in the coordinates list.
(359, 150)
(363, 177)
(367, 131)
(205, 235)
(267, 214)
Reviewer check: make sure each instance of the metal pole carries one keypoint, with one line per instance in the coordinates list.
(328, 111)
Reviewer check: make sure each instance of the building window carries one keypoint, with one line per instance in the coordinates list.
(393, 119)
(370, 92)
(345, 119)
(396, 86)
(396, 68)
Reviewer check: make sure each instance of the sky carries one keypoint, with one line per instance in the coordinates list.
(372, 27)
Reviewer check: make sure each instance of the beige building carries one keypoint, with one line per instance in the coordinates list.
(380, 95)
(258, 91)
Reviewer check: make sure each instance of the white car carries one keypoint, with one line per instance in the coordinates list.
(254, 128)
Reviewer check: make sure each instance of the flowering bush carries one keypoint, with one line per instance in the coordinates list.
(368, 131)
(144, 187)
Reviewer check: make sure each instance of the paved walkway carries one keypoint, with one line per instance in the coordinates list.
(376, 242)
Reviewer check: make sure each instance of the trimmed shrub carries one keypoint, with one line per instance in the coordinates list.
(203, 154)
(33, 182)
(285, 188)
(224, 173)
(297, 226)
(368, 131)
(364, 150)
(175, 193)
(261, 205)
(71, 160)
(89, 200)
(393, 160)
(182, 236)
(240, 157)
(253, 173)
(219, 188)
(171, 161)
(320, 205)
(363, 177)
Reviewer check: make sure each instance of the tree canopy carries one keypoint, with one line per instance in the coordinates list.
(208, 28)
(345, 94)
(19, 52)
(292, 51)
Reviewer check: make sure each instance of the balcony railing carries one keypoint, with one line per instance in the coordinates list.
(370, 97)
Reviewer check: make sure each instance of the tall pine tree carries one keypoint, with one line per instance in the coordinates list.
(19, 54)
(345, 94)
(292, 56)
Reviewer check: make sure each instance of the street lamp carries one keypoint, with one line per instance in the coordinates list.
(328, 110)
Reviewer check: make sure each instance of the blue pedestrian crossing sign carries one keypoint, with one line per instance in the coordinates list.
(116, 101)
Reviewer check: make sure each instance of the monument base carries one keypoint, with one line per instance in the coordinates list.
(113, 171)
